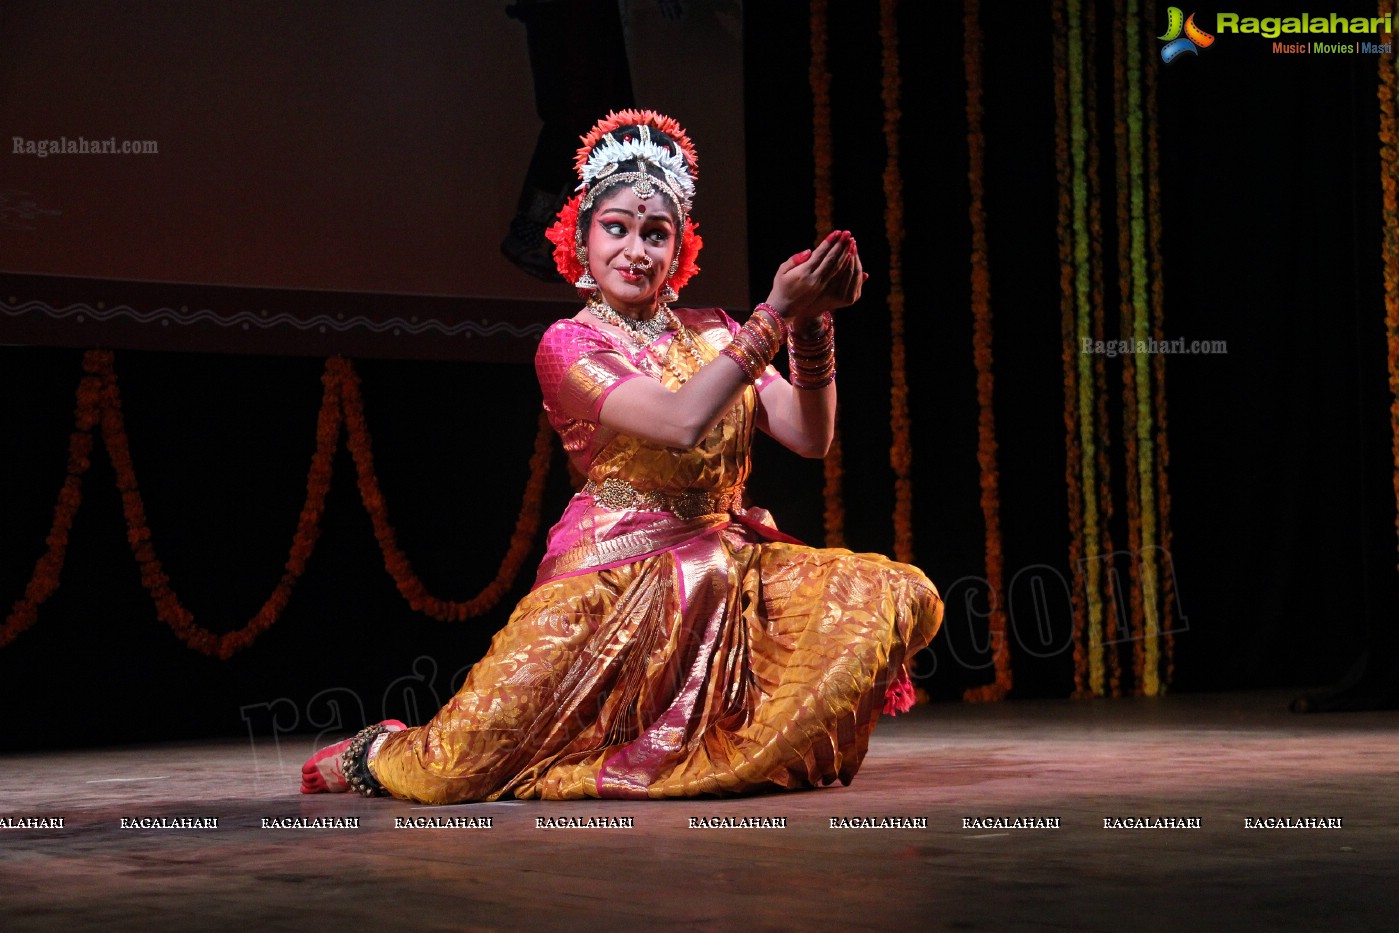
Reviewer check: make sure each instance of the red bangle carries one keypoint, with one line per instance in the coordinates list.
(811, 355)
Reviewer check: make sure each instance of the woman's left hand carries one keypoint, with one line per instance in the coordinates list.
(849, 280)
(816, 281)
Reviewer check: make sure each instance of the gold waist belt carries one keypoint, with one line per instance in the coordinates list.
(613, 493)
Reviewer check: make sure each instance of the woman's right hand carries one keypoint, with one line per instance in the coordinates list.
(816, 281)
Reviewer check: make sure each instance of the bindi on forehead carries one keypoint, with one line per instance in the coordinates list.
(624, 200)
(639, 212)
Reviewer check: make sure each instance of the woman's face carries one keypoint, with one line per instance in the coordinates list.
(630, 245)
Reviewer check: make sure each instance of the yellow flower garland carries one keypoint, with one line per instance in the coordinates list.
(1158, 369)
(1104, 587)
(407, 580)
(822, 157)
(1389, 208)
(1069, 356)
(99, 406)
(1083, 310)
(985, 380)
(901, 449)
(1082, 318)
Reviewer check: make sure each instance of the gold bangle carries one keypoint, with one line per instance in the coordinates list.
(811, 356)
(757, 341)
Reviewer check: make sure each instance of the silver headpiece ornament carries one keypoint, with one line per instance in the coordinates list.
(610, 152)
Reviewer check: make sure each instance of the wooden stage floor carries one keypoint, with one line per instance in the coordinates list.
(1220, 760)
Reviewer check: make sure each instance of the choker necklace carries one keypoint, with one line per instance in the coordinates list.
(643, 332)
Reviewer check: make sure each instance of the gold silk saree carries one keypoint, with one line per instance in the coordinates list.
(675, 643)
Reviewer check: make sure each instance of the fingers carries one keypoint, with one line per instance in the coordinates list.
(846, 281)
(858, 275)
(829, 255)
(858, 267)
(824, 278)
(794, 260)
(834, 245)
(829, 245)
(844, 285)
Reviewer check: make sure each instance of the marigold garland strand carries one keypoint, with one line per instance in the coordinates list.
(1102, 546)
(169, 609)
(1131, 437)
(1389, 207)
(901, 449)
(408, 582)
(1080, 133)
(985, 383)
(822, 157)
(1069, 338)
(99, 405)
(48, 569)
(1150, 683)
(1158, 364)
(1132, 317)
(1100, 625)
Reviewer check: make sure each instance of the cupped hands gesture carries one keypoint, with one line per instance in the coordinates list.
(816, 281)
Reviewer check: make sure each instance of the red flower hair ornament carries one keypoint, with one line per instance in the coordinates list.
(597, 166)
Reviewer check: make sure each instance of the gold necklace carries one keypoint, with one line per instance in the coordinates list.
(644, 333)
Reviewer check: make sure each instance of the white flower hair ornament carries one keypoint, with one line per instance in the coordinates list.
(667, 166)
(610, 152)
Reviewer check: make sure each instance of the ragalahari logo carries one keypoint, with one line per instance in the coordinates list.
(1176, 44)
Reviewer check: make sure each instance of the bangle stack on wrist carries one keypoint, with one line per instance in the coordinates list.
(757, 342)
(811, 353)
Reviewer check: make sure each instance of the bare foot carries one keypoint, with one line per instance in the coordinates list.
(321, 773)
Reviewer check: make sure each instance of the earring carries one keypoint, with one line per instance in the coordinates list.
(667, 293)
(585, 281)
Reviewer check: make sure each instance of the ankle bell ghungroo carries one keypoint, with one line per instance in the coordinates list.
(354, 763)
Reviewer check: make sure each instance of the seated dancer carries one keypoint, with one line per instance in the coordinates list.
(675, 643)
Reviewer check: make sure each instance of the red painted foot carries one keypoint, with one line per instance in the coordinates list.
(321, 773)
